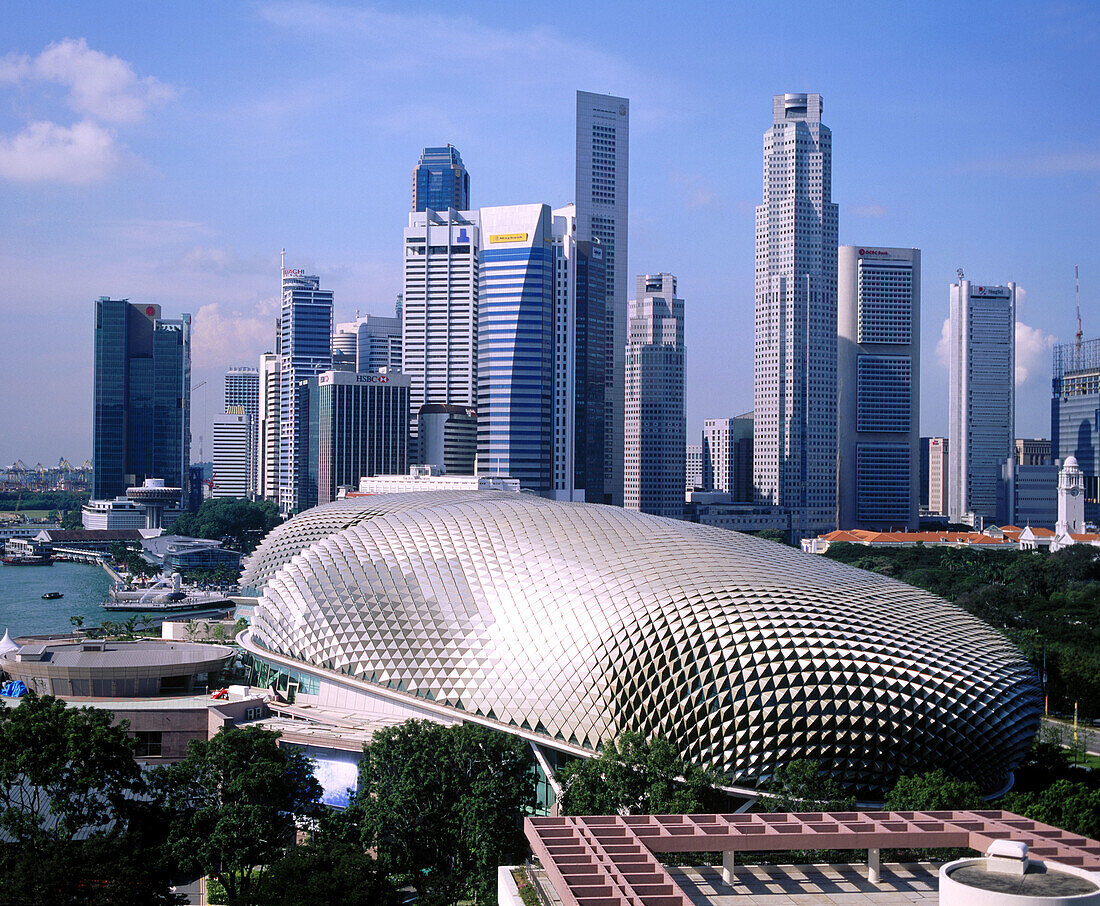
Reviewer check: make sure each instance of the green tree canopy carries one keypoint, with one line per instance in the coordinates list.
(64, 772)
(443, 805)
(326, 872)
(1046, 603)
(635, 776)
(934, 791)
(240, 524)
(232, 805)
(802, 786)
(1071, 806)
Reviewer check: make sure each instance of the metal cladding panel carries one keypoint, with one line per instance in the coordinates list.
(581, 621)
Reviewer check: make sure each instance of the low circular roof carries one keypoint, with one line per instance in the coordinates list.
(582, 621)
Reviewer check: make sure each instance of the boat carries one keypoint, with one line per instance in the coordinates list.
(26, 560)
(52, 596)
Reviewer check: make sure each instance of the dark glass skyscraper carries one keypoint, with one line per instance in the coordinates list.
(141, 424)
(440, 181)
(590, 356)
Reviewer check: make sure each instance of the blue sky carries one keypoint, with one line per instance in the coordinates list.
(166, 152)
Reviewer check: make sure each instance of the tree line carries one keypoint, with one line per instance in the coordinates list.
(437, 809)
(1048, 604)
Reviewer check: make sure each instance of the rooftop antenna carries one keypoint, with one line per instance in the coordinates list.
(1077, 281)
(959, 271)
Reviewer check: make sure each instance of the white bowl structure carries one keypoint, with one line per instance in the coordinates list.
(577, 622)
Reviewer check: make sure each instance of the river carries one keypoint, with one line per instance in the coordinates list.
(23, 612)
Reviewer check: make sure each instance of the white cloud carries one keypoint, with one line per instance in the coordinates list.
(943, 345)
(99, 86)
(240, 335)
(1033, 347)
(46, 151)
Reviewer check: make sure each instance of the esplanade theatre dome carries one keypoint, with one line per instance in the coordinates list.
(577, 622)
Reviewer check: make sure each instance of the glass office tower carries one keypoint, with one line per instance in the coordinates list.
(305, 345)
(601, 193)
(440, 181)
(141, 425)
(1075, 415)
(515, 345)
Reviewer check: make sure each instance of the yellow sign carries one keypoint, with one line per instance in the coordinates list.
(508, 237)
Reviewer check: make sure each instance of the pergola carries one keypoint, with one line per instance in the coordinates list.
(611, 860)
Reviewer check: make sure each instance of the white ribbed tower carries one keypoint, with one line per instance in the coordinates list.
(1071, 498)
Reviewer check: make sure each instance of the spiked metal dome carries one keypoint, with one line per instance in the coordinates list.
(579, 622)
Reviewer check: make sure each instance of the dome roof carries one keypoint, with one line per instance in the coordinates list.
(290, 538)
(582, 621)
(1070, 463)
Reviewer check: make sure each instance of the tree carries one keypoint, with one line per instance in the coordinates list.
(326, 872)
(801, 786)
(240, 524)
(934, 791)
(444, 806)
(232, 804)
(1065, 804)
(71, 521)
(64, 772)
(100, 871)
(635, 776)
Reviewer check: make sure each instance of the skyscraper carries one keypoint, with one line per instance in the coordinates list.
(439, 311)
(603, 144)
(363, 429)
(440, 181)
(267, 455)
(655, 436)
(515, 344)
(794, 435)
(693, 479)
(981, 417)
(305, 337)
(1075, 415)
(242, 388)
(726, 454)
(937, 475)
(370, 344)
(577, 466)
(232, 444)
(878, 380)
(448, 437)
(141, 424)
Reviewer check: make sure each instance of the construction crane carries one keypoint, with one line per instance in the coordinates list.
(195, 387)
(1077, 281)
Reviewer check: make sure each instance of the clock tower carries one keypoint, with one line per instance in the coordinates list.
(1071, 498)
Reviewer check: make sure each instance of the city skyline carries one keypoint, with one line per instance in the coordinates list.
(131, 169)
